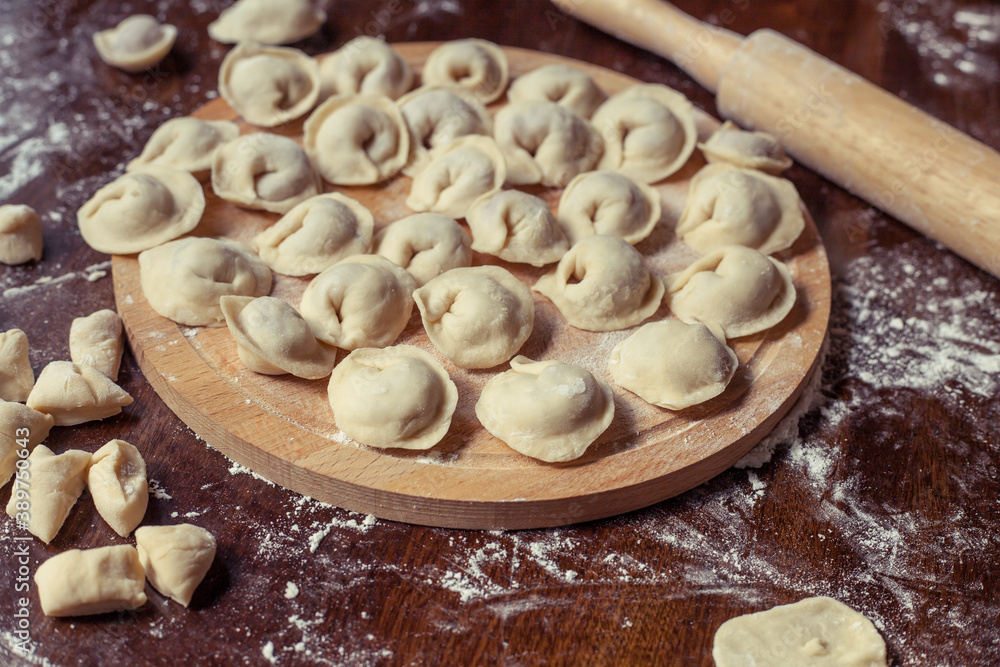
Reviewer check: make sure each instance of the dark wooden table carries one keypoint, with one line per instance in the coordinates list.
(886, 500)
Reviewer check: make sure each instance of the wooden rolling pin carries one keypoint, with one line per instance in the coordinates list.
(901, 160)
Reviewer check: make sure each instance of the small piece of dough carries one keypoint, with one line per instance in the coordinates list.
(548, 410)
(476, 65)
(117, 483)
(267, 22)
(425, 244)
(96, 340)
(186, 144)
(175, 558)
(815, 632)
(76, 394)
(457, 174)
(516, 227)
(566, 86)
(20, 234)
(55, 484)
(269, 85)
(749, 150)
(365, 65)
(21, 428)
(91, 581)
(16, 376)
(136, 44)
(264, 171)
(610, 204)
(436, 116)
(399, 397)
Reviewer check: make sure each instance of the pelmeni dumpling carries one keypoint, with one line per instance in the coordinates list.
(267, 22)
(609, 204)
(436, 116)
(186, 144)
(117, 483)
(363, 301)
(736, 288)
(96, 340)
(57, 480)
(476, 65)
(21, 429)
(316, 234)
(269, 85)
(184, 279)
(516, 227)
(547, 410)
(545, 143)
(20, 234)
(566, 86)
(16, 376)
(357, 139)
(175, 558)
(732, 206)
(602, 284)
(425, 244)
(477, 317)
(365, 65)
(457, 175)
(264, 171)
(75, 394)
(398, 397)
(137, 43)
(273, 339)
(649, 132)
(749, 150)
(141, 209)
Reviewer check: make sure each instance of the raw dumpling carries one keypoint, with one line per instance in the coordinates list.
(357, 139)
(141, 209)
(137, 43)
(736, 288)
(477, 317)
(175, 558)
(425, 244)
(436, 116)
(56, 483)
(610, 204)
(649, 132)
(272, 338)
(545, 143)
(186, 144)
(264, 171)
(184, 279)
(365, 65)
(566, 86)
(732, 206)
(363, 301)
(473, 64)
(76, 394)
(20, 234)
(16, 376)
(749, 150)
(457, 175)
(316, 234)
(269, 85)
(547, 410)
(117, 483)
(674, 365)
(91, 581)
(516, 227)
(267, 22)
(21, 429)
(96, 340)
(397, 397)
(602, 284)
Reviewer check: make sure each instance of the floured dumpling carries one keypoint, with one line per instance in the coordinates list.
(566, 86)
(610, 204)
(316, 234)
(357, 139)
(137, 43)
(436, 116)
(477, 317)
(96, 340)
(267, 22)
(749, 150)
(175, 558)
(736, 288)
(545, 143)
(547, 410)
(186, 144)
(141, 209)
(732, 206)
(184, 279)
(20, 234)
(365, 65)
(399, 396)
(516, 227)
(16, 376)
(476, 65)
(56, 483)
(649, 132)
(117, 483)
(602, 284)
(21, 429)
(363, 301)
(75, 394)
(272, 338)
(457, 175)
(264, 171)
(80, 582)
(269, 85)
(425, 244)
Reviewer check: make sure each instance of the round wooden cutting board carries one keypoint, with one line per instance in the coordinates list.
(282, 427)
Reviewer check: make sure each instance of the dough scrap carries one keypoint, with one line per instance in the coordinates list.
(516, 227)
(75, 394)
(97, 340)
(425, 244)
(56, 483)
(20, 234)
(609, 204)
(566, 86)
(457, 174)
(91, 581)
(16, 376)
(749, 150)
(264, 171)
(436, 116)
(117, 483)
(476, 65)
(365, 65)
(269, 85)
(21, 427)
(138, 43)
(185, 144)
(175, 558)
(267, 22)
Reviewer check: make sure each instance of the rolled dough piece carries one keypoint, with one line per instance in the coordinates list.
(20, 234)
(96, 340)
(20, 427)
(16, 376)
(176, 558)
(91, 581)
(76, 394)
(117, 483)
(55, 485)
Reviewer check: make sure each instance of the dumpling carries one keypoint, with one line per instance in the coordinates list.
(566, 86)
(137, 43)
(457, 175)
(117, 483)
(425, 244)
(316, 234)
(75, 394)
(96, 340)
(272, 338)
(602, 284)
(175, 558)
(20, 234)
(141, 209)
(609, 204)
(365, 65)
(436, 116)
(363, 301)
(749, 150)
(516, 227)
(79, 582)
(396, 397)
(267, 22)
(357, 139)
(736, 288)
(269, 85)
(21, 429)
(545, 143)
(16, 376)
(477, 317)
(732, 206)
(476, 65)
(184, 279)
(56, 483)
(649, 132)
(186, 144)
(547, 410)
(264, 171)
